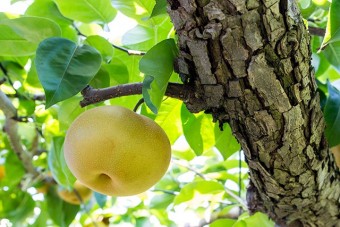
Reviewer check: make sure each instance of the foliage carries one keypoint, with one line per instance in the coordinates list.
(56, 48)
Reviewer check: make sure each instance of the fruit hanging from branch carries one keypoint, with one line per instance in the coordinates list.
(116, 152)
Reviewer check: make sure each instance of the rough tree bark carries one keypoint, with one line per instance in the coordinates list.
(249, 62)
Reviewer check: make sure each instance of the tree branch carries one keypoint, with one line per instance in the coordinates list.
(92, 95)
(11, 128)
(316, 31)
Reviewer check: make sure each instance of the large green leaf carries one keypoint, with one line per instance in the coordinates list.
(118, 71)
(137, 9)
(138, 34)
(333, 25)
(161, 201)
(14, 170)
(43, 216)
(222, 223)
(102, 45)
(69, 110)
(225, 141)
(101, 79)
(62, 213)
(16, 206)
(192, 130)
(152, 94)
(157, 65)
(332, 116)
(47, 9)
(87, 11)
(21, 36)
(168, 118)
(159, 8)
(64, 68)
(332, 54)
(57, 164)
(198, 130)
(257, 219)
(145, 36)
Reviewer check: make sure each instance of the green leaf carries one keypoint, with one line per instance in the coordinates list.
(20, 36)
(257, 219)
(69, 110)
(157, 63)
(333, 25)
(47, 9)
(32, 76)
(33, 29)
(101, 79)
(240, 223)
(62, 213)
(64, 68)
(161, 201)
(16, 206)
(332, 54)
(192, 130)
(102, 45)
(332, 116)
(145, 36)
(198, 130)
(138, 34)
(14, 170)
(43, 216)
(189, 191)
(118, 71)
(159, 8)
(307, 8)
(137, 9)
(223, 223)
(57, 164)
(168, 118)
(225, 141)
(152, 98)
(87, 11)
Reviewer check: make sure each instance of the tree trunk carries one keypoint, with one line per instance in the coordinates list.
(249, 62)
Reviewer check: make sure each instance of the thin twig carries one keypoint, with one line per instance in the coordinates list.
(229, 192)
(92, 95)
(38, 97)
(189, 168)
(128, 51)
(5, 72)
(316, 31)
(165, 191)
